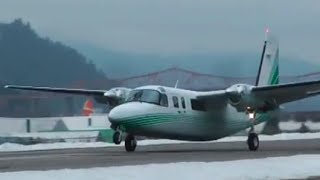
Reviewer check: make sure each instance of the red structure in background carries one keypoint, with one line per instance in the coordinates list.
(87, 108)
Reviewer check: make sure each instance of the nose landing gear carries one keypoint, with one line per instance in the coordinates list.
(117, 137)
(130, 141)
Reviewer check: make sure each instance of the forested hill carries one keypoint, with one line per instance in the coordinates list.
(27, 59)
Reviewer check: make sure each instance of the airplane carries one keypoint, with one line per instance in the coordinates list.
(179, 114)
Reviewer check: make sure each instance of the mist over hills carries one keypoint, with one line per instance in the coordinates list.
(119, 65)
(26, 58)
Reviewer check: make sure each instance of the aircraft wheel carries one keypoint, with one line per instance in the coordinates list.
(116, 137)
(130, 143)
(253, 142)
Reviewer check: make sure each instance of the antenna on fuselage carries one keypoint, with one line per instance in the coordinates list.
(176, 85)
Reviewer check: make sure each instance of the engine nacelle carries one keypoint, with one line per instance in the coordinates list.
(114, 97)
(242, 99)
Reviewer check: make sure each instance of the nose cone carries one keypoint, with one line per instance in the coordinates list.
(128, 111)
(117, 114)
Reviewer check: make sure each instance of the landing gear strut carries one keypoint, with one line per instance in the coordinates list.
(253, 139)
(130, 143)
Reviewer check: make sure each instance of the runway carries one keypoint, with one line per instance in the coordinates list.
(117, 156)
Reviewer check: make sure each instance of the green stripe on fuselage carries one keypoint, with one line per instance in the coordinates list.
(157, 119)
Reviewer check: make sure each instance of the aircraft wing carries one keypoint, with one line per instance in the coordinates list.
(85, 92)
(216, 98)
(278, 94)
(285, 93)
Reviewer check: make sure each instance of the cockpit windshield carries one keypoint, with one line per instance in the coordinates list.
(148, 96)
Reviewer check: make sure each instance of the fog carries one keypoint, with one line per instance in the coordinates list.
(169, 27)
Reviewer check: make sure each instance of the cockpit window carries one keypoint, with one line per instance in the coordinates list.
(148, 96)
(134, 96)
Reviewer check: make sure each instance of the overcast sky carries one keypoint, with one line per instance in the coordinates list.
(175, 26)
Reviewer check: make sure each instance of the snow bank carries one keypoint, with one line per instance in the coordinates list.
(267, 168)
(56, 135)
(11, 147)
(19, 125)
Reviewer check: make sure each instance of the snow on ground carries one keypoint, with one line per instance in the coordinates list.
(64, 145)
(10, 147)
(300, 166)
(290, 125)
(89, 133)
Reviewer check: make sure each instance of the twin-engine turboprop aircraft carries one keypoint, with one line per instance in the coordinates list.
(172, 113)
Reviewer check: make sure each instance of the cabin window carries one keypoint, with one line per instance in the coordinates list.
(183, 103)
(175, 101)
(198, 105)
(164, 100)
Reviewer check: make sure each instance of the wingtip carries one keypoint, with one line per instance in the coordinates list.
(6, 86)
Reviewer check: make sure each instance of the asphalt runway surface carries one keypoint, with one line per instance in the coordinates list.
(117, 156)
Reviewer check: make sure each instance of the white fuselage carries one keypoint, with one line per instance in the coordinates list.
(183, 117)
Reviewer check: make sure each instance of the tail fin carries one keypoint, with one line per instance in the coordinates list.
(87, 108)
(268, 73)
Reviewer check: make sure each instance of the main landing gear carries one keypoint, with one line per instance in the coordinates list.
(253, 139)
(130, 141)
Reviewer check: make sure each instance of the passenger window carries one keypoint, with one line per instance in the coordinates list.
(164, 100)
(198, 105)
(183, 103)
(175, 101)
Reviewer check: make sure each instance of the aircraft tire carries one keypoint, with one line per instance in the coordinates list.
(130, 143)
(253, 142)
(116, 137)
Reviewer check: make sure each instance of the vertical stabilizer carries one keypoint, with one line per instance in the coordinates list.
(268, 73)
